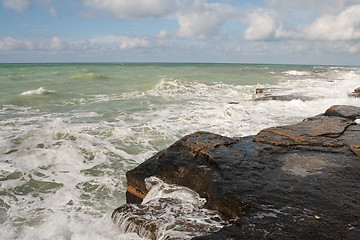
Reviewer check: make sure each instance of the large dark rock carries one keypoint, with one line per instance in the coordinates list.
(298, 181)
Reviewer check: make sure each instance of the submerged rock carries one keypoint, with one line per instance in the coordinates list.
(356, 93)
(267, 94)
(288, 97)
(298, 181)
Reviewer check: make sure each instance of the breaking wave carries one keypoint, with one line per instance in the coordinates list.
(39, 91)
(168, 212)
(89, 76)
(296, 73)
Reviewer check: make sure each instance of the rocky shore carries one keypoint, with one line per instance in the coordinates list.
(299, 181)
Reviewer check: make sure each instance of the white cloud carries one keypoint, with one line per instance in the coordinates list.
(324, 6)
(9, 43)
(53, 44)
(163, 34)
(133, 8)
(203, 19)
(17, 5)
(134, 42)
(125, 42)
(53, 11)
(265, 25)
(196, 18)
(57, 44)
(342, 47)
(345, 26)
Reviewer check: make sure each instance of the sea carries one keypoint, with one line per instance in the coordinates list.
(69, 132)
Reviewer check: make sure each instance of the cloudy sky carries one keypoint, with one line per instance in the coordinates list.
(245, 31)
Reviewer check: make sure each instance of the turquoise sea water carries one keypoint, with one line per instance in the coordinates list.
(69, 132)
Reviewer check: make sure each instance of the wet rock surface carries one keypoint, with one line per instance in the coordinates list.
(355, 93)
(349, 112)
(276, 94)
(299, 181)
(167, 218)
(288, 97)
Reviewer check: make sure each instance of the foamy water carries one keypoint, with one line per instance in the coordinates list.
(175, 212)
(39, 91)
(69, 132)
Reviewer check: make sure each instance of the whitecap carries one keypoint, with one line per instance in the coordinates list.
(90, 76)
(296, 73)
(39, 91)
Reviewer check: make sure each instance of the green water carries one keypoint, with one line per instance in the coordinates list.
(70, 131)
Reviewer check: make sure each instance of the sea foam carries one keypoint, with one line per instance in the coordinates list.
(39, 91)
(296, 73)
(168, 212)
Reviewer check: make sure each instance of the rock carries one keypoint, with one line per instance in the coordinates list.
(349, 112)
(318, 134)
(259, 90)
(153, 220)
(288, 97)
(356, 93)
(266, 90)
(299, 181)
(267, 94)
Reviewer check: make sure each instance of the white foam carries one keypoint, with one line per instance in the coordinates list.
(62, 226)
(172, 212)
(159, 189)
(296, 73)
(56, 149)
(39, 91)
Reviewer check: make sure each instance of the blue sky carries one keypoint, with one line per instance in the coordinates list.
(260, 31)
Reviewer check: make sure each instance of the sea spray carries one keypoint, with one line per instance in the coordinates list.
(39, 91)
(168, 212)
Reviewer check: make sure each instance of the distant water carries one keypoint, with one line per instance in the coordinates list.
(69, 132)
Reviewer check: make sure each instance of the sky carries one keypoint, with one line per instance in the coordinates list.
(243, 31)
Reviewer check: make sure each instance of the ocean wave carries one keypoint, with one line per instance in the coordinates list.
(178, 88)
(175, 211)
(89, 76)
(169, 85)
(296, 73)
(39, 91)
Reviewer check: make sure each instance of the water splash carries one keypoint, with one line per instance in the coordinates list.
(39, 91)
(168, 212)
